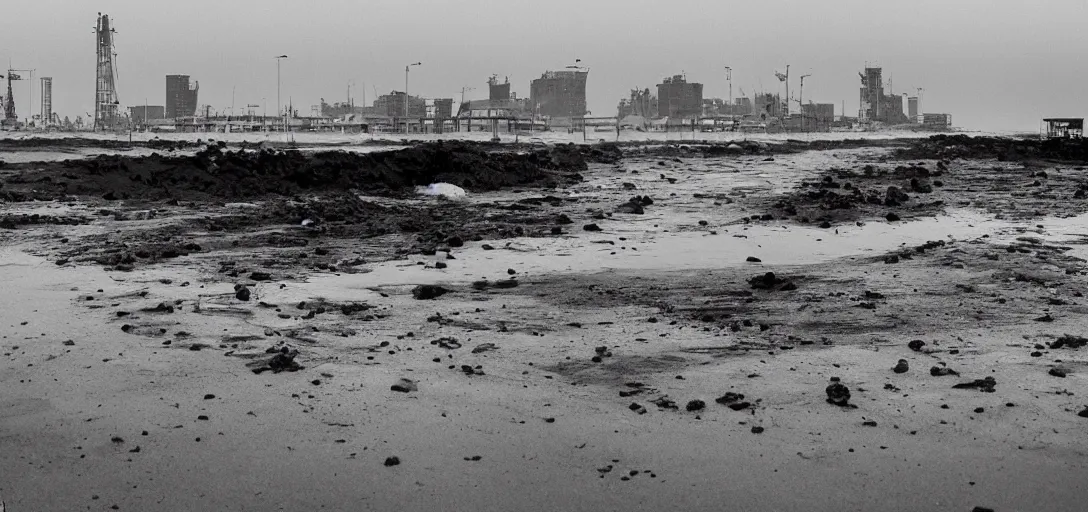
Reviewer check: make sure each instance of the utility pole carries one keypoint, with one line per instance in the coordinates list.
(787, 90)
(801, 101)
(279, 105)
(920, 91)
(406, 94)
(729, 78)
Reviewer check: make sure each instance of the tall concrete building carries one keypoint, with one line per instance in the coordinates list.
(559, 93)
(181, 96)
(47, 100)
(678, 98)
(912, 109)
(875, 105)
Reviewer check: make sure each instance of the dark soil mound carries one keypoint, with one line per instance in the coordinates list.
(215, 174)
(963, 146)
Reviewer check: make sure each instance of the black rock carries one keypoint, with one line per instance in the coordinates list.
(825, 225)
(895, 196)
(696, 405)
(753, 259)
(631, 207)
(942, 371)
(440, 265)
(1057, 372)
(984, 385)
(241, 292)
(562, 218)
(591, 227)
(428, 292)
(901, 367)
(404, 386)
(916, 345)
(487, 247)
(1070, 341)
(729, 398)
(392, 461)
(891, 259)
(838, 394)
(261, 276)
(892, 217)
(757, 430)
(455, 241)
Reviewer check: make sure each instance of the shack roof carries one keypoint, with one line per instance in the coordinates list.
(1073, 121)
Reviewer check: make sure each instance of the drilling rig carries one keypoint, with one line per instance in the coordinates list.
(106, 103)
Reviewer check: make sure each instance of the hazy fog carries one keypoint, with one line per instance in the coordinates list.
(992, 64)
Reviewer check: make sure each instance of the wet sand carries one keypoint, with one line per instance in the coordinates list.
(155, 405)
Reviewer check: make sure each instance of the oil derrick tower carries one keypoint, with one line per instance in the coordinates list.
(106, 103)
(9, 102)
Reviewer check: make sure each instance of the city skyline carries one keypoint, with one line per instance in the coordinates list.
(925, 44)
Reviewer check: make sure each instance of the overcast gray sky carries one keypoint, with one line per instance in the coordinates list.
(992, 64)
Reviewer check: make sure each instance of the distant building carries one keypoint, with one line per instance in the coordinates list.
(818, 116)
(181, 96)
(443, 108)
(678, 98)
(912, 109)
(497, 91)
(1064, 128)
(741, 106)
(146, 113)
(875, 105)
(641, 103)
(47, 100)
(392, 105)
(937, 121)
(559, 94)
(339, 109)
(767, 105)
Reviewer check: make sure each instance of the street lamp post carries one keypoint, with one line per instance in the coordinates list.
(801, 101)
(406, 68)
(279, 108)
(729, 78)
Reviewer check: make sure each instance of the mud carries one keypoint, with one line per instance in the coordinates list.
(250, 306)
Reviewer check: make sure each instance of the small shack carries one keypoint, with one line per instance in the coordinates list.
(1064, 128)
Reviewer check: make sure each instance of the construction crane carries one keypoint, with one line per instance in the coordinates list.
(10, 116)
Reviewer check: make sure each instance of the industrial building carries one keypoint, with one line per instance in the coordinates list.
(937, 122)
(875, 105)
(676, 98)
(144, 113)
(181, 96)
(912, 109)
(443, 108)
(392, 105)
(641, 103)
(497, 91)
(768, 105)
(817, 117)
(560, 93)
